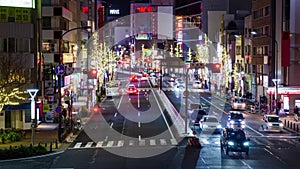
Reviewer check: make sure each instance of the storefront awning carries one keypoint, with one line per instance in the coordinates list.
(17, 107)
(291, 90)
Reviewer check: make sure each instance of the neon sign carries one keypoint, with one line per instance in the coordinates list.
(141, 9)
(114, 11)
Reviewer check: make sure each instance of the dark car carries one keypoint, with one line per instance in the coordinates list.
(234, 141)
(196, 117)
(235, 120)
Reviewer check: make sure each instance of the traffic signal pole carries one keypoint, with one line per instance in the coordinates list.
(59, 130)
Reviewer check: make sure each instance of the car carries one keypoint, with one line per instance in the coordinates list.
(234, 141)
(272, 123)
(133, 78)
(131, 89)
(196, 116)
(180, 84)
(238, 104)
(144, 78)
(235, 120)
(197, 84)
(210, 123)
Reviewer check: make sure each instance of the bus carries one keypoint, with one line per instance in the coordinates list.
(113, 88)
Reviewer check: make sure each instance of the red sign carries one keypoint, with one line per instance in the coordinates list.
(141, 9)
(285, 48)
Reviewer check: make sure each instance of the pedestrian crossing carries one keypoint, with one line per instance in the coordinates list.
(172, 89)
(124, 143)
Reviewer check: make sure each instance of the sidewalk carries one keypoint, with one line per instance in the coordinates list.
(45, 134)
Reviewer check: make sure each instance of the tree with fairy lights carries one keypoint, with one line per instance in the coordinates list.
(13, 80)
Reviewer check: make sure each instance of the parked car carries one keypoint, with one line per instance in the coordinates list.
(210, 123)
(234, 141)
(272, 123)
(238, 104)
(235, 120)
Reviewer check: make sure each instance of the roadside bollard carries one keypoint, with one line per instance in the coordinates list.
(56, 144)
(51, 147)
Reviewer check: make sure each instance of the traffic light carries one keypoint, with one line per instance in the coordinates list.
(92, 73)
(216, 68)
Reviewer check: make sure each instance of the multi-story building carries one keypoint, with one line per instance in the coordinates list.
(58, 18)
(19, 61)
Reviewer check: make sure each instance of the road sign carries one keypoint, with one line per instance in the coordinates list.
(197, 65)
(58, 109)
(59, 70)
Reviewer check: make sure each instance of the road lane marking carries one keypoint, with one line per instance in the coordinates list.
(106, 138)
(77, 145)
(120, 101)
(152, 142)
(116, 114)
(89, 144)
(275, 156)
(111, 124)
(140, 137)
(245, 164)
(139, 124)
(99, 144)
(139, 114)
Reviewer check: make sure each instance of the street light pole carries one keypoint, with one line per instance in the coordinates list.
(276, 82)
(60, 76)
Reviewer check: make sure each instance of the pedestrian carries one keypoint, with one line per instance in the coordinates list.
(296, 113)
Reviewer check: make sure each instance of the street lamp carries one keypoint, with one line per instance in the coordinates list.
(276, 82)
(59, 75)
(32, 93)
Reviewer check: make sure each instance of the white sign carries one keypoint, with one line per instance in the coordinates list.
(18, 3)
(266, 81)
(114, 11)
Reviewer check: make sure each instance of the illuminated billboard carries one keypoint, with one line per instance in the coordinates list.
(18, 3)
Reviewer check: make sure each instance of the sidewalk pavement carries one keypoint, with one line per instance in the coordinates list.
(45, 134)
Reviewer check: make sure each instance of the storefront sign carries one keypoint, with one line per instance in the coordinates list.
(283, 91)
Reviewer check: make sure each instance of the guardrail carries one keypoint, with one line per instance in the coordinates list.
(176, 118)
(292, 125)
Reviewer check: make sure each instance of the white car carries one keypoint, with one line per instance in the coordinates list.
(272, 123)
(210, 123)
(197, 84)
(238, 104)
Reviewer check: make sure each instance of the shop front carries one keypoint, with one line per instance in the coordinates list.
(288, 98)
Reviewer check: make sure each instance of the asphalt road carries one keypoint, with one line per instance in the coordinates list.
(134, 132)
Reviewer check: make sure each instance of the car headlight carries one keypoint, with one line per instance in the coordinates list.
(243, 105)
(230, 143)
(231, 121)
(281, 124)
(270, 124)
(243, 122)
(219, 126)
(243, 126)
(246, 143)
(205, 126)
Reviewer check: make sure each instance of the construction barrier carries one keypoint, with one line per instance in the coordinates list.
(193, 142)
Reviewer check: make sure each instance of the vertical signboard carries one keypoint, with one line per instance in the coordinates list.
(285, 48)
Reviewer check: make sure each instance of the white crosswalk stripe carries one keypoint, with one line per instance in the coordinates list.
(99, 144)
(163, 142)
(173, 141)
(122, 143)
(89, 144)
(152, 142)
(110, 144)
(77, 145)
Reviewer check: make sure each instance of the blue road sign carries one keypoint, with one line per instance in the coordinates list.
(58, 109)
(59, 70)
